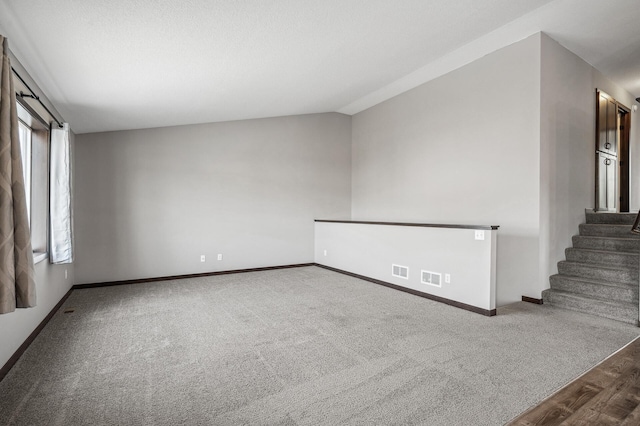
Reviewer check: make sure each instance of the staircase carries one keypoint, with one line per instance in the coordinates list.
(600, 275)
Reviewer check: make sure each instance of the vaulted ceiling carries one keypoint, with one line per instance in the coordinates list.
(125, 64)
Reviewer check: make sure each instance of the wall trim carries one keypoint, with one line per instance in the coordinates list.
(532, 300)
(18, 353)
(466, 307)
(179, 277)
(421, 225)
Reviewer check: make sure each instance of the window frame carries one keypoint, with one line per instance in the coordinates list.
(38, 191)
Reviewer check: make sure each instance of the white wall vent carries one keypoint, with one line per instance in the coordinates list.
(400, 271)
(431, 278)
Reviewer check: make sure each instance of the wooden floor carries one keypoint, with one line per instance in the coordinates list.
(609, 394)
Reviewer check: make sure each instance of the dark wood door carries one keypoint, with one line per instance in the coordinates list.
(607, 124)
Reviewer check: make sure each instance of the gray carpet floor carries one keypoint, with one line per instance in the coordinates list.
(303, 346)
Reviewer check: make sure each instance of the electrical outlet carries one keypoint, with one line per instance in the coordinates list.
(219, 256)
(66, 275)
(447, 278)
(325, 252)
(203, 258)
(479, 235)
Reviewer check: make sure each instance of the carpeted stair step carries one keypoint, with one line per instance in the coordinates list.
(610, 218)
(612, 258)
(621, 274)
(600, 230)
(604, 290)
(620, 311)
(629, 245)
(601, 273)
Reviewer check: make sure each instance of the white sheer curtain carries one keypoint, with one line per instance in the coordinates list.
(61, 227)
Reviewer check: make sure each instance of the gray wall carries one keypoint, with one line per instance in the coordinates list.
(567, 144)
(507, 140)
(150, 202)
(464, 148)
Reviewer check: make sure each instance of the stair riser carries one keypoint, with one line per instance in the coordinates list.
(622, 313)
(611, 218)
(620, 231)
(623, 294)
(613, 259)
(621, 276)
(627, 245)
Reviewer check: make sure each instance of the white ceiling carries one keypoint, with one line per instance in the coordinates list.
(126, 64)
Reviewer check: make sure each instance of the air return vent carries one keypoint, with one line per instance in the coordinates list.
(431, 278)
(400, 271)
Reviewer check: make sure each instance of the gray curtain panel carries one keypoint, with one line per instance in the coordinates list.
(17, 284)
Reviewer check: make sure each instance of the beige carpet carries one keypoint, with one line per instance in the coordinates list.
(302, 346)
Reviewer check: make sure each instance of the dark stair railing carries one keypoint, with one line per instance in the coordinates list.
(636, 230)
(636, 225)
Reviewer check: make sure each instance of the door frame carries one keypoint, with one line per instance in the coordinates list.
(623, 131)
(624, 125)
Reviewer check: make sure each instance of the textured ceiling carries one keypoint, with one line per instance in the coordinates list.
(125, 64)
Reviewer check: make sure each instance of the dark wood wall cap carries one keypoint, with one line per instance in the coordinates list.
(423, 225)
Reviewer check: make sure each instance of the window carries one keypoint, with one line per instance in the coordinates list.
(34, 147)
(25, 151)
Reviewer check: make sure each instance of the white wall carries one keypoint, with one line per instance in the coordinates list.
(150, 202)
(51, 284)
(371, 250)
(463, 148)
(567, 147)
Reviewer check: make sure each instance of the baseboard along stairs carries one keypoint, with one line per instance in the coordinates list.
(600, 273)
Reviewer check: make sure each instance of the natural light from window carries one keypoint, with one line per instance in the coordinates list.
(34, 148)
(25, 151)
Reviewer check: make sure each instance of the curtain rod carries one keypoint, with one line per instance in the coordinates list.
(33, 96)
